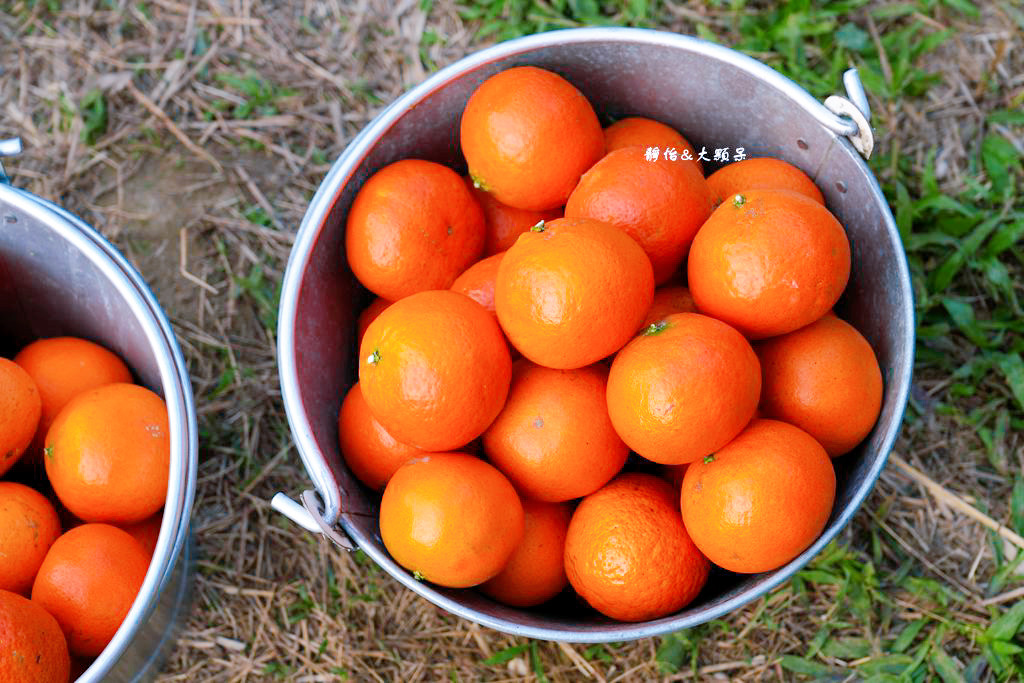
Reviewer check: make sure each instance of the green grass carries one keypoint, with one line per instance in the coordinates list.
(262, 96)
(263, 291)
(505, 19)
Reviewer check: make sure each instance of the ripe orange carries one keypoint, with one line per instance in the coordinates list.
(434, 369)
(668, 300)
(823, 378)
(628, 554)
(33, 648)
(108, 454)
(62, 368)
(553, 438)
(368, 315)
(505, 223)
(635, 131)
(413, 226)
(528, 135)
(661, 204)
(572, 291)
(761, 174)
(146, 532)
(88, 582)
(535, 572)
(20, 407)
(28, 527)
(769, 262)
(683, 388)
(477, 282)
(761, 500)
(369, 450)
(451, 518)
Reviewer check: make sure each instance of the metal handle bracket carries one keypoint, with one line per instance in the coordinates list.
(309, 515)
(9, 147)
(854, 113)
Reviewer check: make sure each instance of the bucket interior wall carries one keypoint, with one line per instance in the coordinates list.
(48, 289)
(715, 104)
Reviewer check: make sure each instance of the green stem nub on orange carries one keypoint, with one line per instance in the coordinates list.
(739, 200)
(654, 328)
(374, 357)
(540, 227)
(478, 182)
(708, 459)
(418, 575)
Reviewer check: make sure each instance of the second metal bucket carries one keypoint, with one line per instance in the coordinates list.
(59, 277)
(717, 98)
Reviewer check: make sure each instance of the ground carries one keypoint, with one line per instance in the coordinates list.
(194, 133)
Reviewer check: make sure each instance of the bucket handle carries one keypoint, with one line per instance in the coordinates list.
(9, 147)
(310, 516)
(850, 116)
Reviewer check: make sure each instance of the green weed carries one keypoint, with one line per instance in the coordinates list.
(505, 19)
(261, 96)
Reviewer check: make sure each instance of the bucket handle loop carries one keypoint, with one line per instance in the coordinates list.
(313, 506)
(852, 114)
(9, 147)
(310, 516)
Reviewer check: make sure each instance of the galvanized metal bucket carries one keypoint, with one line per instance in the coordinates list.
(718, 98)
(59, 277)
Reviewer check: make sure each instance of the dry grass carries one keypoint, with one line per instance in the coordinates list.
(204, 192)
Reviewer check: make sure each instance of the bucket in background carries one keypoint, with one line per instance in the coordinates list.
(59, 277)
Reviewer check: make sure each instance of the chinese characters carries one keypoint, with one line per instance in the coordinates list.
(721, 154)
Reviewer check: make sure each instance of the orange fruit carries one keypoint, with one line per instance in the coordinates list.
(88, 582)
(553, 438)
(450, 518)
(28, 527)
(62, 368)
(628, 554)
(434, 369)
(413, 226)
(505, 223)
(823, 378)
(528, 135)
(661, 204)
(146, 532)
(761, 500)
(20, 408)
(769, 262)
(368, 315)
(369, 450)
(668, 300)
(477, 282)
(33, 648)
(535, 572)
(108, 454)
(761, 174)
(637, 131)
(683, 388)
(572, 291)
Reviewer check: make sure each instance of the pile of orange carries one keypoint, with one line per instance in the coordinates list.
(588, 365)
(84, 458)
